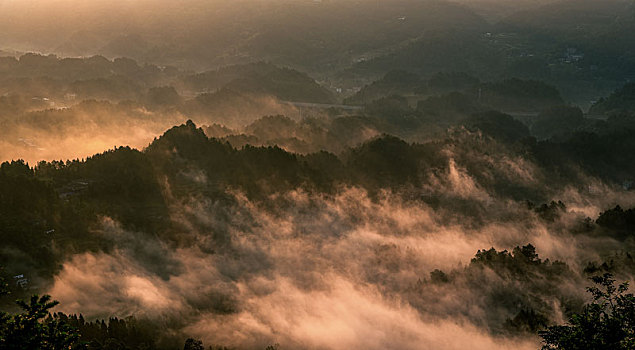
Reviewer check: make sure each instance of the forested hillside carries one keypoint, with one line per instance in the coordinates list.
(317, 174)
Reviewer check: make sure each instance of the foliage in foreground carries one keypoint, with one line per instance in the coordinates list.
(608, 322)
(36, 328)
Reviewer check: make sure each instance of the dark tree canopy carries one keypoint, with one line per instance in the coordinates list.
(608, 322)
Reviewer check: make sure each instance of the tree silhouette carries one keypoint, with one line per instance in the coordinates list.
(35, 328)
(193, 344)
(608, 322)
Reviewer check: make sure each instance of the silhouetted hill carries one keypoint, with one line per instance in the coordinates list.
(262, 79)
(621, 100)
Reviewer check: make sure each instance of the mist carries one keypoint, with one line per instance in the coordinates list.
(338, 271)
(315, 174)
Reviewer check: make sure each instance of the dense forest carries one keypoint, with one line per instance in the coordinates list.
(319, 174)
(202, 197)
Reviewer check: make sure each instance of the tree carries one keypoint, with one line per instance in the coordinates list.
(193, 344)
(35, 328)
(608, 322)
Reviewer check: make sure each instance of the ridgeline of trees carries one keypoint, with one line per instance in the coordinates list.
(58, 201)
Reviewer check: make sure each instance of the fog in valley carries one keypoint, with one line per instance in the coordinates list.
(319, 174)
